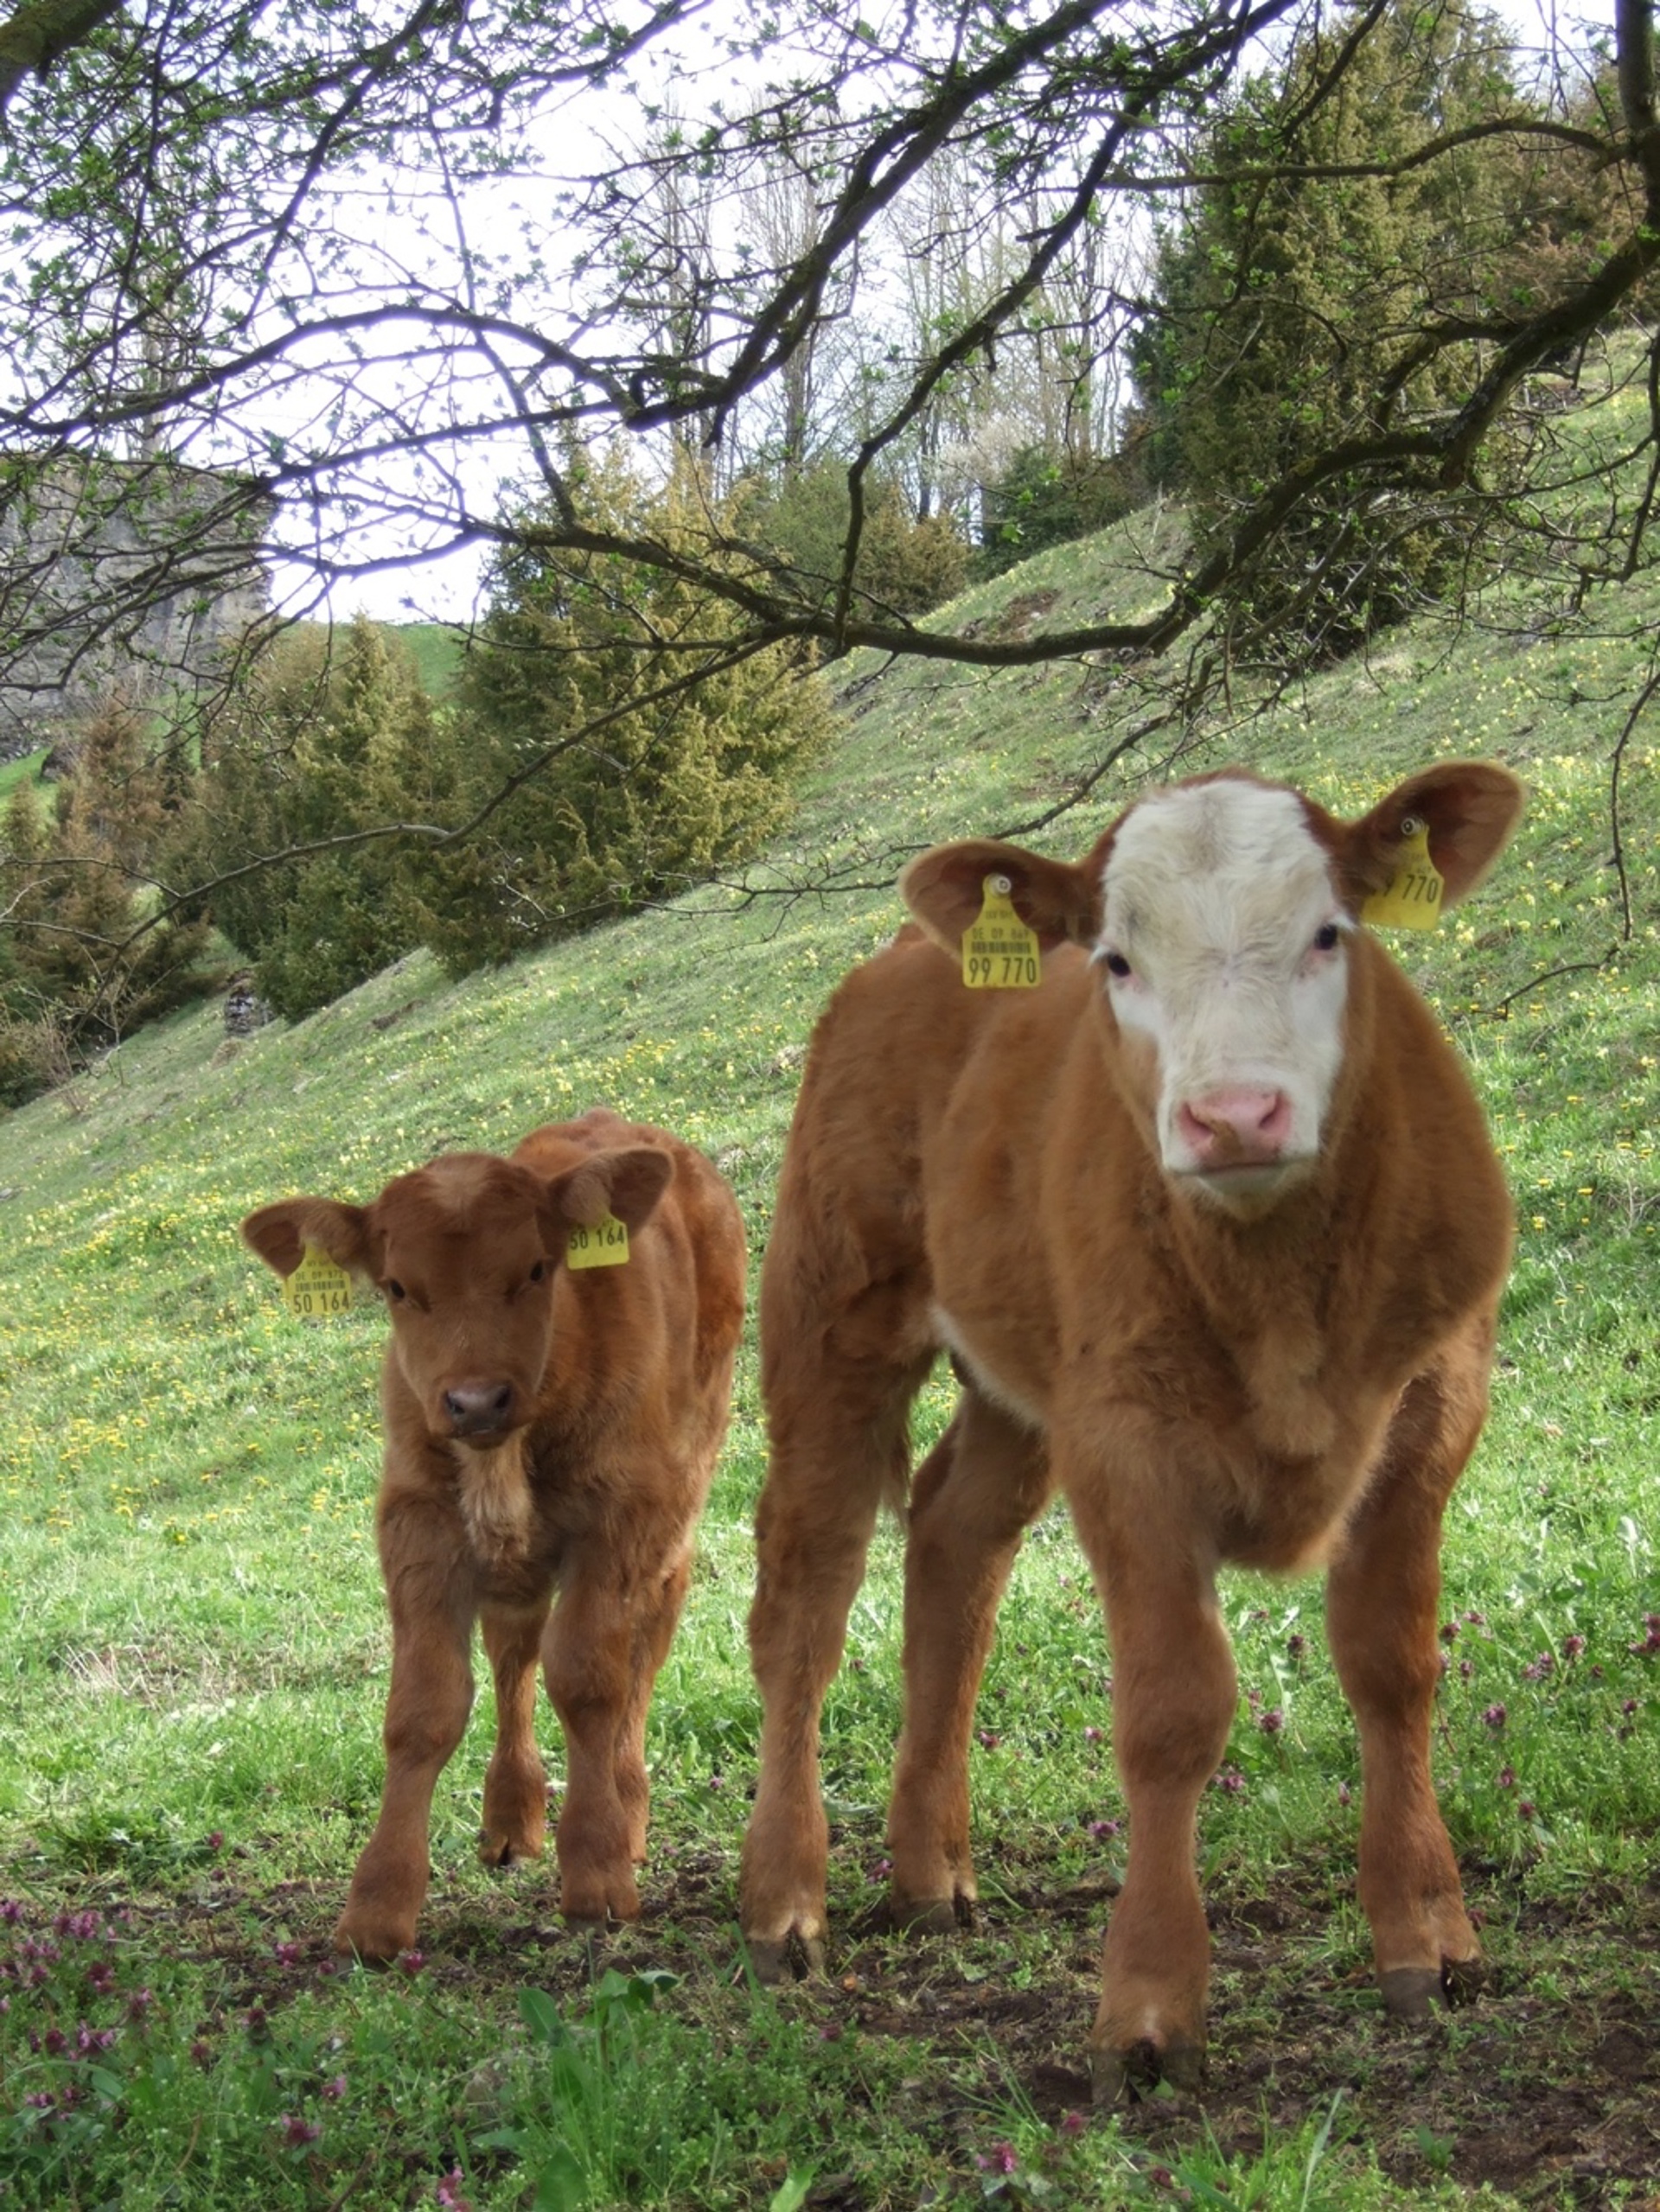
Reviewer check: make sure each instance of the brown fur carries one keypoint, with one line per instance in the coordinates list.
(1299, 1388)
(547, 1435)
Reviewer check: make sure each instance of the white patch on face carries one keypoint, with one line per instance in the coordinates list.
(1222, 948)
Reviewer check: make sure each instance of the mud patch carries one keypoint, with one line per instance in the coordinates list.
(1547, 2089)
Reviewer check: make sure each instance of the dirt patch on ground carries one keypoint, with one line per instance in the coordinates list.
(1548, 2088)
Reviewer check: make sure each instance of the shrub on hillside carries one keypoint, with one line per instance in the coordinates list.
(1290, 300)
(623, 738)
(86, 954)
(329, 738)
(1045, 498)
(905, 566)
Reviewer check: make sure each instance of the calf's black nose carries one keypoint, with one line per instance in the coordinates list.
(478, 1408)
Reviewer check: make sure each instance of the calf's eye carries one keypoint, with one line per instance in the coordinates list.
(539, 1270)
(1325, 938)
(395, 1292)
(1116, 964)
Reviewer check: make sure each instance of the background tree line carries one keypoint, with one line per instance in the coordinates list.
(591, 773)
(360, 258)
(874, 308)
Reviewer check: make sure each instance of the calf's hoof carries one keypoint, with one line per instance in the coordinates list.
(599, 1905)
(1411, 1993)
(1121, 2077)
(789, 1957)
(501, 1848)
(929, 1916)
(377, 1941)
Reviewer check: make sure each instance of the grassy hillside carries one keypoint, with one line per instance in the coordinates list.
(25, 768)
(193, 1636)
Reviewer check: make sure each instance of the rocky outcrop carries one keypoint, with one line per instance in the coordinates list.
(133, 575)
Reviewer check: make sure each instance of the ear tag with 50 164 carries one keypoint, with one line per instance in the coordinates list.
(1000, 952)
(604, 1244)
(318, 1289)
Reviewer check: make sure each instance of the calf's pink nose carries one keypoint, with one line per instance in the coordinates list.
(1242, 1125)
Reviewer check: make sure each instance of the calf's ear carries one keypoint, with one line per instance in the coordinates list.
(1469, 808)
(627, 1181)
(945, 886)
(280, 1234)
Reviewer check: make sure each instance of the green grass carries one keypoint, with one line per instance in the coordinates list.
(193, 1645)
(25, 768)
(437, 650)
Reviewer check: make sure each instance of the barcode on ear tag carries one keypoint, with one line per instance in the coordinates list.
(1000, 952)
(318, 1289)
(605, 1244)
(1412, 898)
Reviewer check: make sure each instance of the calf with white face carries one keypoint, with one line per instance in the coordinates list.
(1211, 1227)
(1221, 939)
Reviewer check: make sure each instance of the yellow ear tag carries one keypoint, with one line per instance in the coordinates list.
(1413, 897)
(317, 1288)
(999, 951)
(605, 1244)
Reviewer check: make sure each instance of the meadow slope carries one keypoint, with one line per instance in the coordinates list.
(193, 1647)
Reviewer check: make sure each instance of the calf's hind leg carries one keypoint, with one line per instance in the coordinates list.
(1382, 1600)
(838, 1444)
(973, 1498)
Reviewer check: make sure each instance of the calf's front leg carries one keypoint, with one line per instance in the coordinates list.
(431, 1694)
(515, 1782)
(1383, 1600)
(1174, 1695)
(610, 1633)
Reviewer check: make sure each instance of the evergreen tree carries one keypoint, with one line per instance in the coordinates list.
(639, 781)
(86, 953)
(328, 737)
(1291, 305)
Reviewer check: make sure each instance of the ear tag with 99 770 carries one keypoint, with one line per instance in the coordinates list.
(1000, 952)
(1412, 898)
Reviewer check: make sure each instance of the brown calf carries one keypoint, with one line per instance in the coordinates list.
(546, 1433)
(1211, 1228)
